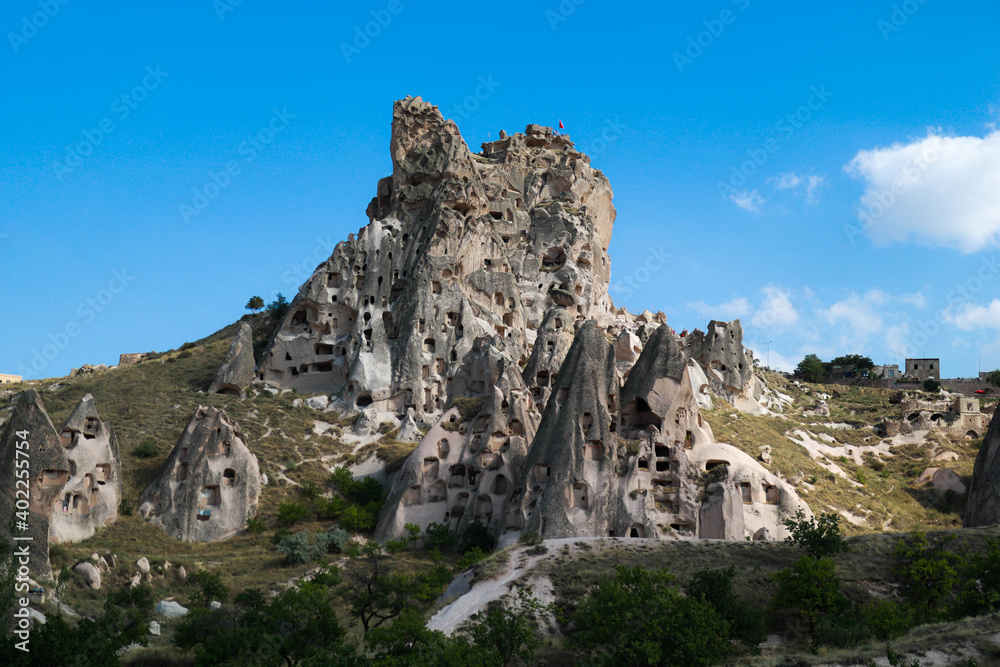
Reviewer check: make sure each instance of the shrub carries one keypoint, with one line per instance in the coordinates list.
(210, 587)
(356, 518)
(932, 386)
(980, 588)
(639, 618)
(332, 541)
(291, 512)
(186, 354)
(437, 536)
(888, 619)
(928, 574)
(746, 623)
(311, 490)
(470, 558)
(255, 525)
(476, 536)
(531, 538)
(296, 549)
(395, 546)
(125, 507)
(819, 537)
(810, 588)
(146, 449)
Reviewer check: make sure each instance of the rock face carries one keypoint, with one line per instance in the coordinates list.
(237, 371)
(73, 479)
(210, 483)
(459, 246)
(982, 506)
(475, 303)
(606, 459)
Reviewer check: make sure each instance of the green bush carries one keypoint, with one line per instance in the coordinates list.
(746, 623)
(810, 588)
(437, 536)
(333, 541)
(888, 619)
(210, 587)
(639, 618)
(297, 549)
(125, 507)
(932, 386)
(290, 512)
(979, 591)
(819, 537)
(147, 449)
(928, 574)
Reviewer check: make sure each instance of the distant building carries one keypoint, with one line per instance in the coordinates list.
(924, 369)
(890, 371)
(9, 379)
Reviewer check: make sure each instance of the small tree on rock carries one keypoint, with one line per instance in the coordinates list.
(255, 304)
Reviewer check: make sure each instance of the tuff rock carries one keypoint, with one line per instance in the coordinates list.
(209, 484)
(74, 481)
(237, 371)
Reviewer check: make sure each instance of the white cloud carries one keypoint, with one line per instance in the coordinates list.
(917, 299)
(776, 359)
(976, 317)
(748, 200)
(789, 180)
(776, 310)
(730, 310)
(858, 313)
(940, 191)
(897, 340)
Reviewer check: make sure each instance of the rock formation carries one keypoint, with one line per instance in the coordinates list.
(982, 505)
(237, 371)
(459, 246)
(210, 483)
(474, 303)
(73, 478)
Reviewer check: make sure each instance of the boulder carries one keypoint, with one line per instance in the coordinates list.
(215, 605)
(154, 628)
(170, 609)
(409, 431)
(142, 565)
(209, 484)
(943, 480)
(90, 574)
(102, 565)
(135, 580)
(237, 371)
(318, 402)
(182, 573)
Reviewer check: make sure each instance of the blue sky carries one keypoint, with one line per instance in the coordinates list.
(829, 173)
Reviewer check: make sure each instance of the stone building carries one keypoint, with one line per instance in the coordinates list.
(924, 369)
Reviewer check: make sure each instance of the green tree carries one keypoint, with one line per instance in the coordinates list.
(858, 362)
(809, 588)
(639, 618)
(278, 307)
(210, 587)
(811, 368)
(255, 303)
(746, 623)
(993, 377)
(932, 385)
(297, 627)
(291, 512)
(509, 632)
(407, 642)
(928, 573)
(373, 591)
(412, 534)
(979, 590)
(819, 537)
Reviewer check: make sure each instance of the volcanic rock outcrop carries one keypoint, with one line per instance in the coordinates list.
(475, 302)
(237, 371)
(210, 483)
(982, 505)
(72, 480)
(458, 246)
